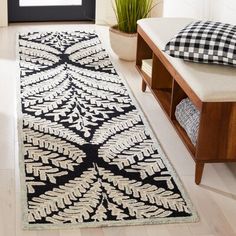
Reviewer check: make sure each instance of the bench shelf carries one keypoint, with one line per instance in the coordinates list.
(217, 130)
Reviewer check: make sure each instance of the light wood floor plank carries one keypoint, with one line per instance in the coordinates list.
(48, 233)
(92, 231)
(115, 231)
(76, 232)
(7, 203)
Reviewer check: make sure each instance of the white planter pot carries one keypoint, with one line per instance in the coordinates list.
(124, 45)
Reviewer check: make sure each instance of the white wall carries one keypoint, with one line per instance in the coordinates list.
(3, 13)
(218, 10)
(105, 14)
(186, 8)
(224, 11)
(158, 9)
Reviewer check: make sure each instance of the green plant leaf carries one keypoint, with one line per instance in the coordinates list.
(128, 12)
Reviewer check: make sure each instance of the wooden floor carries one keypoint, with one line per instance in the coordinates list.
(215, 198)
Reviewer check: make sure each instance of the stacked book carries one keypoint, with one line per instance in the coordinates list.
(147, 67)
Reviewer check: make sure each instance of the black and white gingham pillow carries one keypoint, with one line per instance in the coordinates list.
(205, 42)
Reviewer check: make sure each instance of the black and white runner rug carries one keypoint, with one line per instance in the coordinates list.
(88, 157)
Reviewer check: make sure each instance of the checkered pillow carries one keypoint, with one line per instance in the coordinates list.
(205, 42)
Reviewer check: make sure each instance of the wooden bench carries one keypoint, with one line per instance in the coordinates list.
(211, 88)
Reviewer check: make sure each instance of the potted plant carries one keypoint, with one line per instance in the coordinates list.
(123, 36)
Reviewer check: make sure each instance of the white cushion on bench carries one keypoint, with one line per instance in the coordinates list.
(211, 83)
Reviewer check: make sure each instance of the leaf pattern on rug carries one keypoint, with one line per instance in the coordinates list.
(88, 156)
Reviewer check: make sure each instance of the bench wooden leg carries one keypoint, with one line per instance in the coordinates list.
(198, 172)
(144, 86)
